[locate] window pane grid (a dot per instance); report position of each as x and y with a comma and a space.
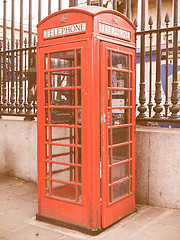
63, 79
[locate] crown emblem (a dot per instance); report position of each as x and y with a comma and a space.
63, 19
115, 20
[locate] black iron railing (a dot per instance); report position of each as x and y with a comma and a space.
159, 94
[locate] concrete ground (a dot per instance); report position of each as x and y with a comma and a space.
18, 207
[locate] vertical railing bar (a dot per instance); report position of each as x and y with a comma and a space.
166, 105
71, 3
158, 109
150, 68
75, 2
21, 61
29, 113
128, 8
4, 59
174, 97
12, 100
39, 10
142, 97
88, 2
115, 4
49, 7
8, 77
59, 5
101, 3
25, 72
17, 75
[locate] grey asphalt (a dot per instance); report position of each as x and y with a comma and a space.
18, 207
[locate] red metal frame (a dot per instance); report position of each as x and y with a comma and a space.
92, 209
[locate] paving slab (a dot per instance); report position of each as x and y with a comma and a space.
18, 207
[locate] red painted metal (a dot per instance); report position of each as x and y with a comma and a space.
77, 183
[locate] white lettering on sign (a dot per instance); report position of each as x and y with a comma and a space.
114, 31
60, 31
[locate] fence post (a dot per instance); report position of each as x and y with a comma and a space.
142, 97
158, 109
174, 97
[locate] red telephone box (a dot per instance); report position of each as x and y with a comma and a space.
86, 117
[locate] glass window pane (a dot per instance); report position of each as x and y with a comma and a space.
63, 172
47, 187
63, 116
131, 62
120, 116
62, 79
46, 80
62, 59
63, 135
46, 115
45, 61
119, 60
120, 190
109, 78
120, 135
120, 79
46, 151
79, 117
120, 171
62, 190
108, 52
120, 153
78, 77
78, 52
119, 98
79, 194
79, 97
46, 98
63, 154
62, 97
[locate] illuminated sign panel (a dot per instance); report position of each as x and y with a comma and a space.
65, 30
114, 31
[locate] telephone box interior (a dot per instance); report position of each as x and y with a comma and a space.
86, 117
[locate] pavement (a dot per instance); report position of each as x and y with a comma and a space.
18, 207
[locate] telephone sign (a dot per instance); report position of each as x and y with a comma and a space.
86, 117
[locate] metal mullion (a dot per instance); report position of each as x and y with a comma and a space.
49, 129
111, 188
119, 181
116, 88
62, 88
120, 126
76, 123
120, 70
63, 144
121, 144
62, 107
61, 69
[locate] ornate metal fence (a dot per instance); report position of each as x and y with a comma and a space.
159, 93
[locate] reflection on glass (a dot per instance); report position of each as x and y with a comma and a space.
119, 60
109, 78
46, 115
62, 190
46, 80
120, 135
120, 190
78, 77
79, 194
62, 59
120, 79
79, 117
79, 155
46, 98
62, 116
79, 97
120, 171
78, 52
47, 187
45, 61
62, 97
108, 58
119, 116
120, 153
62, 79
119, 98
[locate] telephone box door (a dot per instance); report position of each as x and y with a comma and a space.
117, 132
63, 184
